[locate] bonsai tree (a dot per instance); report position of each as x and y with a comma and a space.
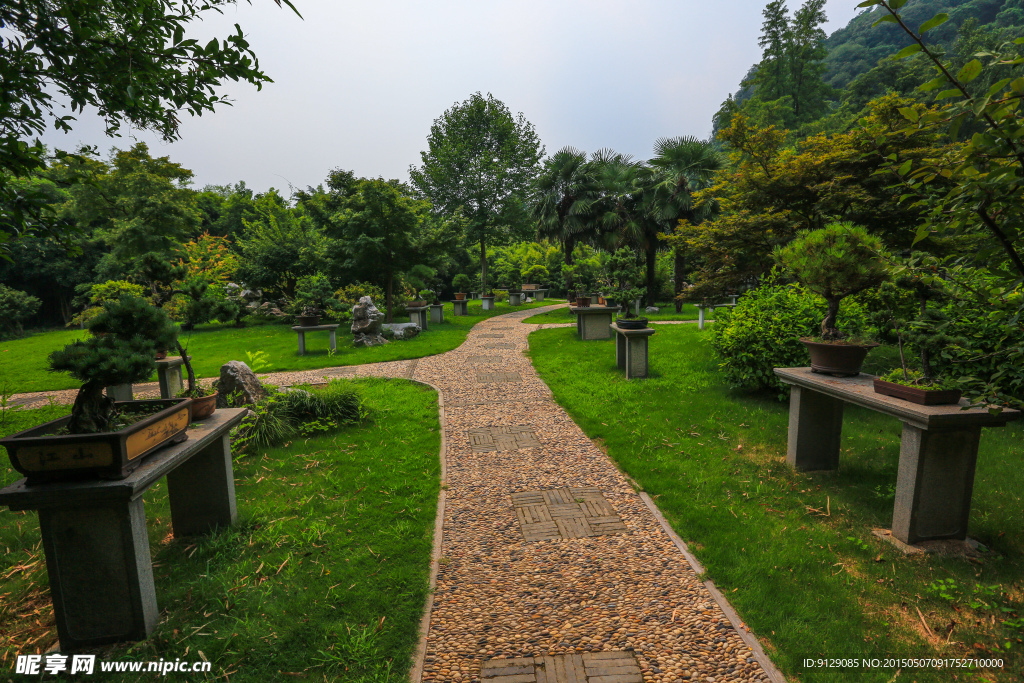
461, 283
314, 294
834, 262
514, 278
569, 279
624, 275
120, 350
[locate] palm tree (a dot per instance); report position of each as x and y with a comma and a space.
682, 166
563, 194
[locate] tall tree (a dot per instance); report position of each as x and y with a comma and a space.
772, 73
129, 60
807, 53
682, 166
480, 163
564, 193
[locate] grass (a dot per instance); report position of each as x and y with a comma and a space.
667, 312
794, 552
324, 577
23, 362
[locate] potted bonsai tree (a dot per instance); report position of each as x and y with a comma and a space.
835, 262
101, 437
313, 296
624, 275
569, 280
461, 284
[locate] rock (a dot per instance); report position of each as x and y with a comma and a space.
652, 309
529, 300
240, 383
366, 324
401, 331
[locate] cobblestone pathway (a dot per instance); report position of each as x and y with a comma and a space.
552, 568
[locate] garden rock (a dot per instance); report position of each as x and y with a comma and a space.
236, 377
402, 331
652, 309
366, 324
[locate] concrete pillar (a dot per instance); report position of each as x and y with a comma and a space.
302, 342
334, 339
620, 351
815, 430
538, 294
700, 317
437, 314
636, 356
935, 483
419, 316
101, 573
168, 373
201, 490
460, 307
120, 392
515, 298
488, 303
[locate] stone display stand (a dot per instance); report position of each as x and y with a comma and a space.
474, 295
711, 307
538, 294
332, 329
437, 313
593, 322
488, 302
95, 540
938, 449
631, 350
460, 307
168, 372
515, 298
120, 392
418, 315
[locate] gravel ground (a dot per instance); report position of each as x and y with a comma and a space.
499, 596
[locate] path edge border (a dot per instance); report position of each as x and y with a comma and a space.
744, 633
420, 653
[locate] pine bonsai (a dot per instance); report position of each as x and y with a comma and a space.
835, 262
461, 283
625, 274
120, 350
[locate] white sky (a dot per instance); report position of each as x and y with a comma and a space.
358, 84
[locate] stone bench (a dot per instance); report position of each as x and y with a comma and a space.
301, 331
593, 322
95, 539
938, 449
631, 350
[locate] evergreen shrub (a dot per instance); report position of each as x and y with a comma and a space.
16, 307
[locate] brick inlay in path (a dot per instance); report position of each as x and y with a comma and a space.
589, 667
491, 439
491, 336
484, 360
498, 377
576, 512
499, 345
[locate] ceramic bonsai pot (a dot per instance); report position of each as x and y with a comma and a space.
307, 320
460, 296
631, 323
840, 359
918, 395
583, 301
203, 407
43, 456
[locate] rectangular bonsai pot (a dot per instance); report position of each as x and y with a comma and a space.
923, 397
43, 456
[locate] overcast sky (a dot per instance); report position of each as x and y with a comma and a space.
358, 84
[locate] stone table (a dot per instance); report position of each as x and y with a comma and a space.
94, 532
938, 449
168, 372
437, 313
460, 307
418, 315
537, 294
631, 351
302, 330
593, 322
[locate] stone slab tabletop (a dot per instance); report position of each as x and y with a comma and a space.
20, 496
416, 308
642, 332
315, 328
170, 362
593, 309
860, 391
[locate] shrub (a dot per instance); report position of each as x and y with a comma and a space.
763, 332
93, 297
461, 283
299, 411
16, 307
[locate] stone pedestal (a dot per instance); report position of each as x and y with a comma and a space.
593, 322
701, 311
301, 331
538, 294
419, 315
474, 295
631, 350
460, 307
94, 533
168, 373
515, 298
120, 392
488, 302
938, 449
437, 313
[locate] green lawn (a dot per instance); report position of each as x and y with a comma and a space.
324, 577
23, 362
794, 552
667, 312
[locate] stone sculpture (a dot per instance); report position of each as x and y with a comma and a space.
366, 324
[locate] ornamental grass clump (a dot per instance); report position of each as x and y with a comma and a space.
121, 349
838, 261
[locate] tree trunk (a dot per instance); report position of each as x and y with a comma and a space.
828, 325
389, 297
652, 260
483, 266
569, 245
188, 368
92, 411
679, 266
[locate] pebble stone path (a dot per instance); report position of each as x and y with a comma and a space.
602, 596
